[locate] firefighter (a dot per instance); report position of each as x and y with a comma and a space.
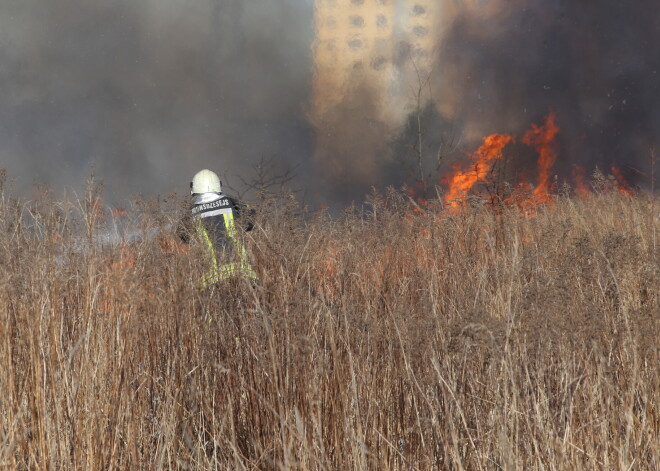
214, 218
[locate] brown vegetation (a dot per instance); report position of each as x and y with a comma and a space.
388, 339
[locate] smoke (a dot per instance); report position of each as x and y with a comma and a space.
351, 146
501, 66
145, 92
595, 64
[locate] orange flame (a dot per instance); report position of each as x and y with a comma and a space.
542, 139
620, 181
581, 189
462, 181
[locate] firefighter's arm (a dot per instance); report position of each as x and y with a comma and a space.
184, 229
250, 214
245, 214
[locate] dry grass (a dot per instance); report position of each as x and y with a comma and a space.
383, 340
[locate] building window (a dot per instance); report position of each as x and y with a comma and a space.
420, 31
355, 44
418, 10
379, 63
356, 21
381, 21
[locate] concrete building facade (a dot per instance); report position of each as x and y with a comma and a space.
385, 43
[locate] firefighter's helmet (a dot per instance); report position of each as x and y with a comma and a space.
205, 181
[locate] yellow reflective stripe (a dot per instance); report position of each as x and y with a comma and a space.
231, 232
201, 230
229, 224
227, 271
218, 273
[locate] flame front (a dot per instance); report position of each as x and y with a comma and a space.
462, 181
620, 181
542, 138
581, 188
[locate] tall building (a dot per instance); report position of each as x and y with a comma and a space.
387, 44
420, 23
354, 43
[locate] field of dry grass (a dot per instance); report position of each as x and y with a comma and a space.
383, 339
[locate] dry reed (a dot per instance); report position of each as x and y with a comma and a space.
384, 339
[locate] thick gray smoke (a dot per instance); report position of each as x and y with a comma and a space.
145, 92
596, 64
503, 65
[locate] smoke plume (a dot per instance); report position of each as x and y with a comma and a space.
595, 64
146, 92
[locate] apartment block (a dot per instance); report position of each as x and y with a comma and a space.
385, 43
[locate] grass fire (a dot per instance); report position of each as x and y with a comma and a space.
431, 242
456, 337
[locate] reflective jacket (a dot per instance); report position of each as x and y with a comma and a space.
214, 219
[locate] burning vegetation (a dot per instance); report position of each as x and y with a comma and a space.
508, 321
390, 338
483, 67
324, 86
480, 176
461, 182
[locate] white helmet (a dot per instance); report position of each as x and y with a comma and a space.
205, 181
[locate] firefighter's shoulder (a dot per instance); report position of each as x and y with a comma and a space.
223, 202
